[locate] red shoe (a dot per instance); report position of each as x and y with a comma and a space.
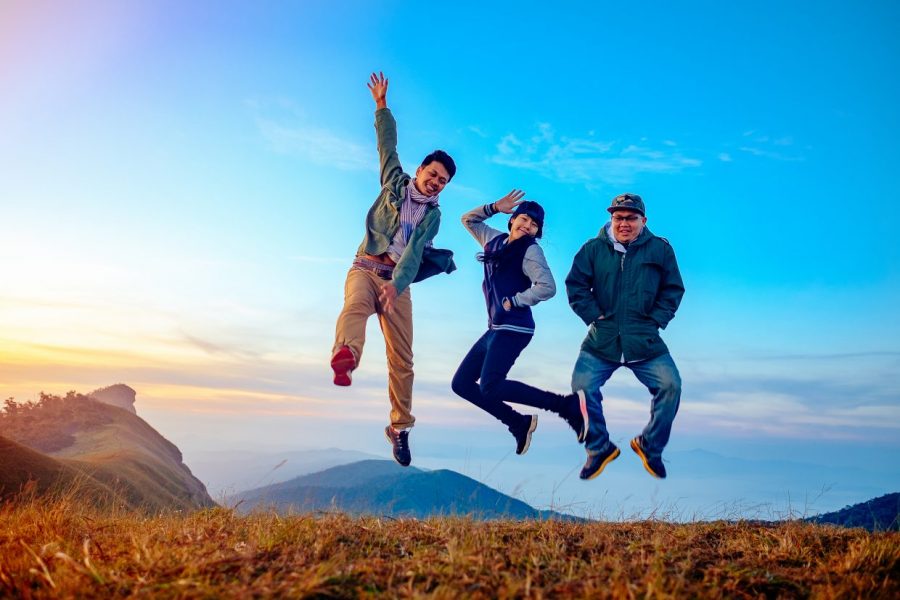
343, 362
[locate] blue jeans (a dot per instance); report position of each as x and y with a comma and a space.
481, 378
661, 377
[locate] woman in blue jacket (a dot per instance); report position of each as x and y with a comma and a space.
516, 277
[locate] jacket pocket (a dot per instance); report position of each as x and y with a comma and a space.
646, 343
602, 333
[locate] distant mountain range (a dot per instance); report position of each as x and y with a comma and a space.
96, 444
77, 442
227, 472
380, 487
877, 514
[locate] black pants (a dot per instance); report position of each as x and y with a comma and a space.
481, 378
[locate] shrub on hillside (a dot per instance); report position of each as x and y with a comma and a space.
50, 423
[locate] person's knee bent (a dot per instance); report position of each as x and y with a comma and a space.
670, 384
460, 384
490, 390
400, 364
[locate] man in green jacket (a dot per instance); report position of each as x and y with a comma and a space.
625, 285
395, 252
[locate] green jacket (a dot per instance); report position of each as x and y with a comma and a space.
625, 298
419, 260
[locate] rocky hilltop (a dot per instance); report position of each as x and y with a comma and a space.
116, 395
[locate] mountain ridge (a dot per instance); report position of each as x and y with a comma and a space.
382, 487
877, 514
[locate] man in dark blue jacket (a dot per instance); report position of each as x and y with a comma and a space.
625, 285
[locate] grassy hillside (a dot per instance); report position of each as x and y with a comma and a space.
877, 514
111, 447
24, 469
67, 549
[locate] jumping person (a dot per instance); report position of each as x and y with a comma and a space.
395, 252
626, 286
516, 277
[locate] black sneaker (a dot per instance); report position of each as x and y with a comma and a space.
574, 412
523, 433
654, 466
595, 464
400, 441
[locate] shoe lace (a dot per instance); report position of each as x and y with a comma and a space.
403, 440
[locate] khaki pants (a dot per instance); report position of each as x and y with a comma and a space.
361, 302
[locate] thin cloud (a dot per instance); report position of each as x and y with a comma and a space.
763, 153
319, 260
220, 349
812, 407
828, 355
773, 148
317, 145
586, 160
471, 194
287, 131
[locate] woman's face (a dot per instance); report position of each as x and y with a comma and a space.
522, 225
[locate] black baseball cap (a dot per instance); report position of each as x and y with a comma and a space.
627, 202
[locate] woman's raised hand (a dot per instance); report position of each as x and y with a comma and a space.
508, 203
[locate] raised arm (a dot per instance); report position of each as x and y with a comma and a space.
378, 85
473, 220
385, 129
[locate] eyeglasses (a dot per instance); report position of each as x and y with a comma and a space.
628, 219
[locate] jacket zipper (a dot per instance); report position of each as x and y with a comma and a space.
619, 302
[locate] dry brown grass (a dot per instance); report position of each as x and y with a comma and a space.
66, 549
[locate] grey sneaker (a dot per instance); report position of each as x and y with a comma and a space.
400, 441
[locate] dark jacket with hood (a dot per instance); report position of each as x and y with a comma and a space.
625, 298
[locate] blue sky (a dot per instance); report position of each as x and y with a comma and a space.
183, 187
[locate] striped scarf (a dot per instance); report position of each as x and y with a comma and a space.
411, 212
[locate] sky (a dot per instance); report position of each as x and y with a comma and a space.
184, 185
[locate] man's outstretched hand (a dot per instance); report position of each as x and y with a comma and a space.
378, 85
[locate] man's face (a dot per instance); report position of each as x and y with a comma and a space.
627, 225
521, 226
431, 178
